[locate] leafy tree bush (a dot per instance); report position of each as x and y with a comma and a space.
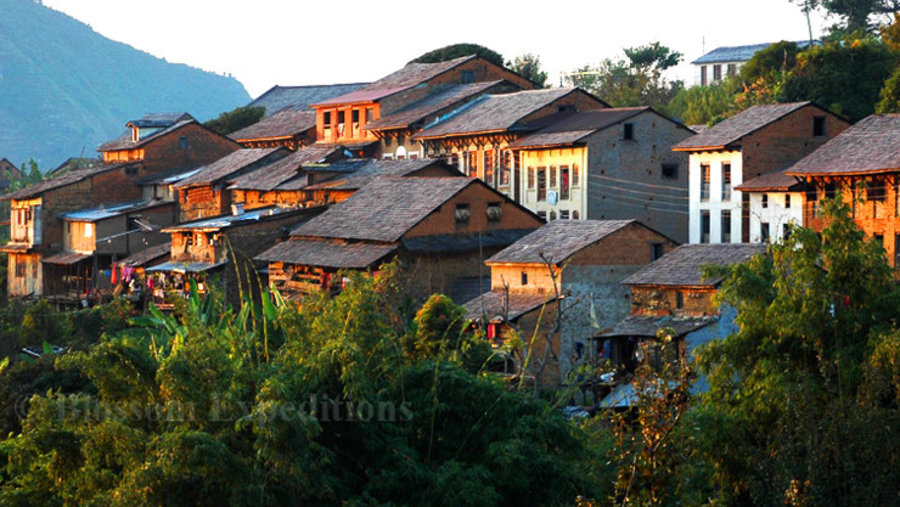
236, 119
457, 50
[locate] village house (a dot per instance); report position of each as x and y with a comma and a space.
776, 202
670, 293
9, 173
289, 129
396, 129
564, 270
166, 141
862, 167
343, 119
612, 163
94, 239
153, 145
476, 138
441, 228
759, 140
716, 65
205, 193
223, 248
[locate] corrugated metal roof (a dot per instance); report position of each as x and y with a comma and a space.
739, 53
103, 212
225, 221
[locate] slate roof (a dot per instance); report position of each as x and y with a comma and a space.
492, 304
772, 182
871, 146
270, 176
738, 53
364, 171
731, 130
432, 104
287, 123
68, 178
683, 266
575, 127
385, 209
411, 75
148, 255
300, 97
640, 325
495, 113
558, 240
328, 253
227, 166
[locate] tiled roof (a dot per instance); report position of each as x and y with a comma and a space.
385, 209
495, 113
227, 166
287, 123
493, 304
125, 142
411, 75
148, 255
683, 266
557, 241
740, 53
731, 130
283, 170
869, 147
432, 104
68, 178
640, 325
772, 182
328, 253
364, 171
300, 97
573, 128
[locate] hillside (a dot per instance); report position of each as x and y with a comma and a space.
64, 88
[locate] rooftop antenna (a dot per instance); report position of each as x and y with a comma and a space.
704, 45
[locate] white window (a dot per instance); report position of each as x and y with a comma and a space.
88, 230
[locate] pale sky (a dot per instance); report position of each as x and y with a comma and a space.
267, 42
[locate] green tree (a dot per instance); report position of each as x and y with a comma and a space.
634, 81
704, 105
236, 119
845, 78
529, 66
787, 418
457, 50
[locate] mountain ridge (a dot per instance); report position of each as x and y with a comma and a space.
65, 88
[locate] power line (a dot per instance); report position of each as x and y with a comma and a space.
667, 187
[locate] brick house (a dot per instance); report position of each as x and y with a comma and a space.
759, 140
442, 229
205, 249
343, 119
9, 173
861, 165
670, 292
167, 141
776, 201
476, 138
612, 163
205, 193
584, 263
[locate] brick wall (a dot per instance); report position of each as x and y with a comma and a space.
663, 301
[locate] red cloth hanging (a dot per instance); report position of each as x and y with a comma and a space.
113, 273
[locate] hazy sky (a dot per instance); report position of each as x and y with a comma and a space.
267, 42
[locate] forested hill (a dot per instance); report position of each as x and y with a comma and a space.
65, 88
